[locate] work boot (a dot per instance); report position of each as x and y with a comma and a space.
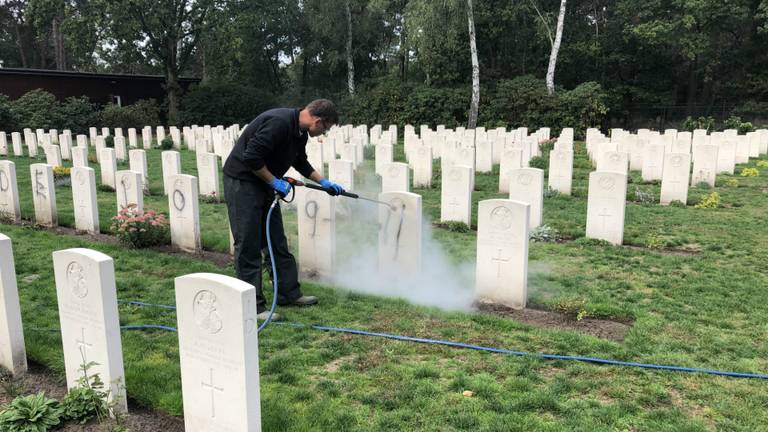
302, 301
262, 316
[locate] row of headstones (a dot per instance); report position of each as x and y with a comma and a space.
502, 241
183, 199
218, 342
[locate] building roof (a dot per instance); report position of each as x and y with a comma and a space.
93, 75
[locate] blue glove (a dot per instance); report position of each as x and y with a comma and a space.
332, 188
281, 186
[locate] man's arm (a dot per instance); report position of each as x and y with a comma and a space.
264, 174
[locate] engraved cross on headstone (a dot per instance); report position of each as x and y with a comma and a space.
604, 215
212, 387
82, 345
499, 260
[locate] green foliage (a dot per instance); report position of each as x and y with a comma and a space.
87, 401
644, 196
690, 124
539, 162
37, 109
223, 103
109, 141
8, 120
735, 122
166, 143
455, 226
545, 234
144, 112
750, 172
77, 115
708, 201
573, 307
762, 164
33, 413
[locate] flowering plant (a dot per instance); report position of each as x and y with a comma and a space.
139, 229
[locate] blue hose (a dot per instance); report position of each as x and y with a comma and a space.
274, 270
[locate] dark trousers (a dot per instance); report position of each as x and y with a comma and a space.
248, 205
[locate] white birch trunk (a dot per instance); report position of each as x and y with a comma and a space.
475, 105
350, 63
555, 49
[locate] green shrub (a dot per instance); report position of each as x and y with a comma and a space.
144, 112
734, 122
520, 101
224, 104
37, 109
383, 102
581, 108
455, 226
166, 143
539, 162
8, 119
109, 141
690, 124
750, 172
77, 115
33, 413
707, 201
645, 197
545, 234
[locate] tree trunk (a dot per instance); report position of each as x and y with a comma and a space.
172, 81
403, 50
58, 43
20, 44
350, 63
474, 107
555, 49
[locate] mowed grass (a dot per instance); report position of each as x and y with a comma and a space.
701, 309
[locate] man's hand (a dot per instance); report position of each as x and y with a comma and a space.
332, 188
281, 186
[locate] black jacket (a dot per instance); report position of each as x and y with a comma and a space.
272, 139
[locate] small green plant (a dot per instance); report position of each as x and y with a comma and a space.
762, 164
549, 192
88, 400
166, 143
33, 413
213, 198
140, 229
645, 197
539, 162
706, 201
734, 122
7, 218
750, 172
105, 188
690, 124
677, 203
9, 386
545, 234
731, 182
576, 308
654, 241
702, 185
455, 226
61, 176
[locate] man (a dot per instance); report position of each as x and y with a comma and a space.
273, 142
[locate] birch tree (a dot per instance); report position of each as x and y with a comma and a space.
555, 49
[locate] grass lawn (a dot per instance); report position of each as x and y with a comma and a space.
693, 282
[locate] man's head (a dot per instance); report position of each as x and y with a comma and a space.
317, 117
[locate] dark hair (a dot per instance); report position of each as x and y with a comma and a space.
324, 109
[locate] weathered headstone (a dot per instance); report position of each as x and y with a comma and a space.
108, 167
9, 192
606, 205
80, 156
342, 172
511, 159
13, 355
456, 194
484, 156
394, 177
422, 167
146, 137
316, 212
527, 185
31, 141
65, 144
184, 214
3, 144
17, 145
383, 156
502, 252
674, 184
400, 233
219, 353
84, 198
44, 195
121, 151
129, 190
171, 165
314, 156
208, 174
561, 171
726, 156
614, 161
132, 141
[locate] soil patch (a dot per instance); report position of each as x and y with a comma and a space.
537, 316
38, 379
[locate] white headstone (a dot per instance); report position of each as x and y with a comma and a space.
108, 167
17, 146
80, 156
653, 162
705, 165
726, 156
171, 165
184, 214
52, 155
400, 233
44, 195
484, 156
129, 190
219, 353
383, 157
137, 161
208, 174
561, 171
90, 324
422, 167
456, 194
527, 185
132, 141
9, 191
315, 156
511, 159
3, 144
146, 137
606, 205
674, 184
31, 141
121, 151
84, 198
394, 177
13, 354
613, 161
502, 252
65, 144
316, 213
342, 172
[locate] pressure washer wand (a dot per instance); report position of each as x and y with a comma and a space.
295, 183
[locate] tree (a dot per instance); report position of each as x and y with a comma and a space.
555, 49
474, 106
